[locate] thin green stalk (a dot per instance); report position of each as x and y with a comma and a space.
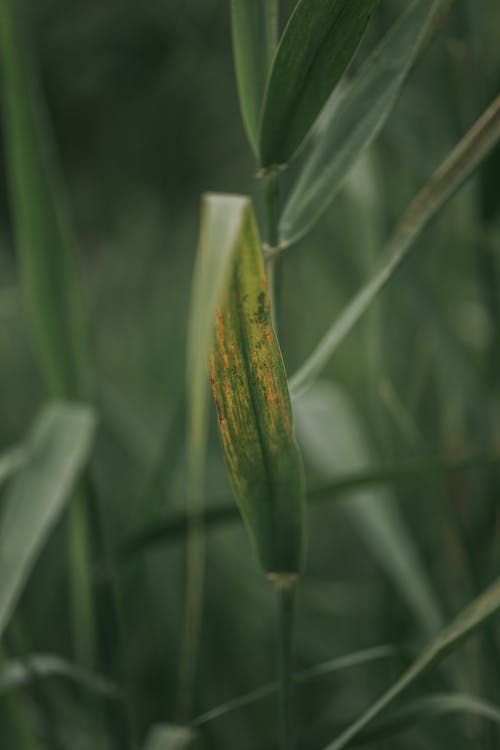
81, 590
13, 722
272, 212
286, 626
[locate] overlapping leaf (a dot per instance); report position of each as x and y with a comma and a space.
317, 46
250, 389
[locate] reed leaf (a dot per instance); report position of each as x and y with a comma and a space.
255, 416
317, 46
56, 452
171, 738
467, 621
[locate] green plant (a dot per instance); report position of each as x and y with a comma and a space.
309, 123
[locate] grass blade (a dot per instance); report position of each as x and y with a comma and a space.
304, 677
43, 233
356, 122
10, 461
56, 451
221, 222
254, 25
472, 617
317, 46
18, 673
459, 165
255, 416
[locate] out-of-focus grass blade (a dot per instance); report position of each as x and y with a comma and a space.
10, 461
317, 46
17, 673
301, 678
254, 25
223, 512
221, 223
171, 738
459, 165
332, 440
255, 416
469, 619
56, 451
426, 709
356, 122
43, 234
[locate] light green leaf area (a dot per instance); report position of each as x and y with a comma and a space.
333, 443
255, 417
41, 218
18, 673
351, 126
317, 46
468, 620
10, 461
254, 25
464, 159
55, 453
171, 738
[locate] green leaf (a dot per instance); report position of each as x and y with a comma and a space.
41, 219
17, 673
468, 620
317, 46
254, 25
10, 461
170, 738
221, 222
428, 708
351, 126
453, 172
333, 442
56, 451
305, 677
255, 417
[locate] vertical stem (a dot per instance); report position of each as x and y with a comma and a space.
286, 628
271, 198
81, 585
13, 721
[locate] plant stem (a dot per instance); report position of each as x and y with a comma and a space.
81, 591
271, 199
286, 626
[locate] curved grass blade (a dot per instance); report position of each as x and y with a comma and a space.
56, 451
429, 708
171, 738
42, 228
332, 439
221, 223
254, 25
472, 617
356, 122
222, 513
19, 673
453, 172
10, 461
255, 416
317, 46
305, 677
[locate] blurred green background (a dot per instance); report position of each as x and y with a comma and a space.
143, 103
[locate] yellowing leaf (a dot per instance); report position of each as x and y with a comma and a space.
255, 417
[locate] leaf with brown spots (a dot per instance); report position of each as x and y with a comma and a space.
255, 416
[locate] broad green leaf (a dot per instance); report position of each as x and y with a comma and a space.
254, 25
163, 737
221, 222
41, 219
10, 462
305, 677
222, 512
317, 46
17, 673
255, 417
333, 442
468, 620
351, 126
55, 453
452, 173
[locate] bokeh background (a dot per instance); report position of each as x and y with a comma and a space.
143, 104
